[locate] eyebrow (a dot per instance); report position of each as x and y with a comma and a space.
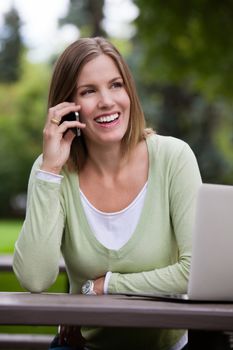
91, 85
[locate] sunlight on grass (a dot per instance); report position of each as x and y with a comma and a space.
9, 231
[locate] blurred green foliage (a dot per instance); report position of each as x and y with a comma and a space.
22, 116
87, 15
182, 61
189, 42
185, 59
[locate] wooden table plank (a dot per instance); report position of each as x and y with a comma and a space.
112, 310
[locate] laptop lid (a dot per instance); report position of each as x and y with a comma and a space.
211, 274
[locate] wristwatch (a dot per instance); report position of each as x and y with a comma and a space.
88, 288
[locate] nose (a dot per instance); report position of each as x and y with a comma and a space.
105, 100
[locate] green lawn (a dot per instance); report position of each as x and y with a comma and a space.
9, 231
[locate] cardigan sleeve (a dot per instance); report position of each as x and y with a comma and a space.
37, 250
184, 182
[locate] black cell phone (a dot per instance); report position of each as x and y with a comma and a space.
71, 117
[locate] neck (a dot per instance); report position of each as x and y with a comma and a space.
107, 160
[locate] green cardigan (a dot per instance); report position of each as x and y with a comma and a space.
155, 259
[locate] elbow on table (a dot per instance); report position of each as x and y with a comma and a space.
34, 281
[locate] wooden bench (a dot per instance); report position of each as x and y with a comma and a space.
23, 341
6, 262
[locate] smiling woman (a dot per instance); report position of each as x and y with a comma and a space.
117, 201
107, 73
105, 104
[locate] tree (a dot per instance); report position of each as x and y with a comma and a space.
10, 47
22, 116
189, 42
186, 77
86, 15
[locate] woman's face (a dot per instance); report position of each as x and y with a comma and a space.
105, 104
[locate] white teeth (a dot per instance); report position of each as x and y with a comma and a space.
107, 119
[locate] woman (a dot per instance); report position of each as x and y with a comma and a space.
117, 201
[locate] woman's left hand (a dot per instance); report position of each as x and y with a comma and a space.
99, 285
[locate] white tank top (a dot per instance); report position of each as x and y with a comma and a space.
113, 230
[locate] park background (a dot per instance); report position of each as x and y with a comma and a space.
181, 57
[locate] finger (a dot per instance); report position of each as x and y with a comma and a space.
58, 113
68, 137
61, 105
64, 104
70, 124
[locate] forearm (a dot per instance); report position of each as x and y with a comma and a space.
173, 278
37, 251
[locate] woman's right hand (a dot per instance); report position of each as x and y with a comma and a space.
57, 138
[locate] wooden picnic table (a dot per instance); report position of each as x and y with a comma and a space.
112, 310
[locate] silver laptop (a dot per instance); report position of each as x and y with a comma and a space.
211, 274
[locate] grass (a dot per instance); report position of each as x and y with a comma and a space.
9, 231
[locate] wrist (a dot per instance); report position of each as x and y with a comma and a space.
49, 177
51, 170
106, 282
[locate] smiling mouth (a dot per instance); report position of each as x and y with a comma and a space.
107, 119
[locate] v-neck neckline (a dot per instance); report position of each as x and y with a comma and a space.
141, 222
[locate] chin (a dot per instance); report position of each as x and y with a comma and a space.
113, 138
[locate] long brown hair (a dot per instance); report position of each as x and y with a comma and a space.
64, 82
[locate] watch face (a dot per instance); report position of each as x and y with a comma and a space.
87, 288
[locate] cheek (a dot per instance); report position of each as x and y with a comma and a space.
125, 98
86, 110
126, 102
